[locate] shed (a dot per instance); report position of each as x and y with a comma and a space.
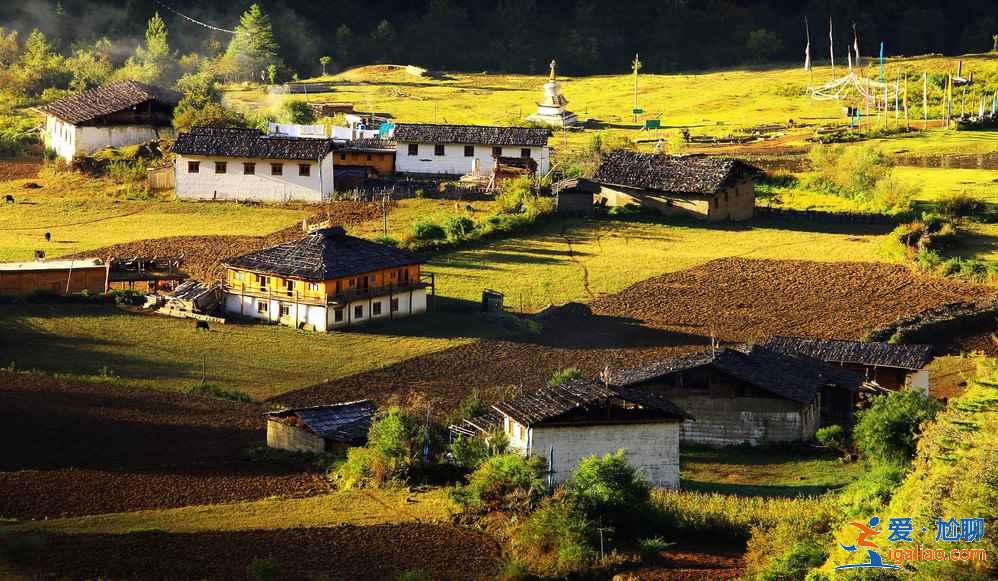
55, 276
320, 428
575, 196
568, 422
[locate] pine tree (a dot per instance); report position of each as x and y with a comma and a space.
40, 67
253, 47
152, 63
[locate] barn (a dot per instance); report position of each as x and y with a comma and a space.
575, 196
320, 428
709, 188
113, 115
55, 276
748, 395
893, 366
216, 163
568, 422
424, 148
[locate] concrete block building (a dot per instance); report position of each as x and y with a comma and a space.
324, 281
709, 188
113, 115
244, 164
457, 150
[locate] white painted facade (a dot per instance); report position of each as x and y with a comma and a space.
455, 160
69, 140
327, 317
651, 447
198, 178
918, 381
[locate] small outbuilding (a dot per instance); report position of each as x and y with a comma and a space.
55, 276
320, 428
575, 196
748, 395
579, 418
893, 366
710, 188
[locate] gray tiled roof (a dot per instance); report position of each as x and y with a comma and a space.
322, 255
107, 99
342, 422
250, 143
694, 174
470, 134
856, 352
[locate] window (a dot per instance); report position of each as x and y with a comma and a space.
338, 291
438, 150
289, 287
369, 158
262, 308
525, 152
343, 156
220, 167
249, 168
469, 151
277, 169
285, 310
313, 287
496, 151
375, 309
304, 169
193, 166
358, 312
395, 305
338, 315
261, 281
413, 149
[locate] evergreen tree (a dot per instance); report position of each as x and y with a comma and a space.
8, 47
253, 47
345, 44
90, 66
383, 42
40, 67
152, 63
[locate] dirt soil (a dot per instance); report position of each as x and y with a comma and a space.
345, 552
735, 300
203, 255
94, 447
687, 561
17, 170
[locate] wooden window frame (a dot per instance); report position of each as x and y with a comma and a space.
277, 169
394, 307
249, 168
285, 309
497, 151
469, 151
305, 170
376, 308
193, 167
358, 311
262, 307
525, 152
338, 315
439, 150
413, 149
221, 167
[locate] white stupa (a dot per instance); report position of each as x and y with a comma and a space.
551, 110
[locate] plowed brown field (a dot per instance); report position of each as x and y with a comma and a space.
18, 170
76, 447
733, 299
346, 552
203, 255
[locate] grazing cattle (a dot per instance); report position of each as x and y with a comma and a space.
48, 236
202, 326
8, 199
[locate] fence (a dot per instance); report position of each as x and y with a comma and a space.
160, 178
827, 217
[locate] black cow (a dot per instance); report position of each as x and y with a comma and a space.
8, 199
201, 326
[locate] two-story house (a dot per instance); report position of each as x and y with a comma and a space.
324, 281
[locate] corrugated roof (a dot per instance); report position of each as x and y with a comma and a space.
107, 99
856, 352
694, 174
40, 265
788, 375
470, 134
250, 143
324, 254
342, 422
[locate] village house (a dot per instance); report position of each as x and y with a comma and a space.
579, 418
466, 149
322, 428
244, 164
709, 188
113, 115
55, 276
325, 281
360, 159
575, 196
886, 364
748, 395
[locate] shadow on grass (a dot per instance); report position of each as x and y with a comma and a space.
818, 226
765, 491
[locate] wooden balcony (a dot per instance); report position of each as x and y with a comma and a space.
427, 280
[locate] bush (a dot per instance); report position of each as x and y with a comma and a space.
458, 227
872, 490
508, 482
126, 171
832, 437
128, 297
394, 446
428, 230
297, 111
553, 541
387, 241
609, 491
470, 453
217, 392
886, 431
650, 547
961, 205
263, 570
562, 375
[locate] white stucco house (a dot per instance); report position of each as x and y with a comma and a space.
465, 149
214, 163
113, 115
324, 281
579, 418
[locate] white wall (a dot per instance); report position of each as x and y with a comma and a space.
69, 140
367, 309
454, 162
651, 447
261, 186
919, 381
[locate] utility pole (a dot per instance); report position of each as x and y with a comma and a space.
636, 66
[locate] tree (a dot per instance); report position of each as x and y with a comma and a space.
8, 47
152, 63
297, 111
383, 42
272, 74
41, 67
763, 45
201, 105
253, 48
887, 431
324, 61
90, 66
609, 491
345, 44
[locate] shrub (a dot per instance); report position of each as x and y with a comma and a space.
387, 241
126, 171
961, 205
217, 392
297, 111
263, 570
609, 491
458, 227
470, 452
562, 375
887, 430
651, 546
553, 541
872, 490
508, 482
428, 230
128, 297
394, 445
832, 436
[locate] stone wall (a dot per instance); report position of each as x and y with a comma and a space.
751, 420
285, 437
